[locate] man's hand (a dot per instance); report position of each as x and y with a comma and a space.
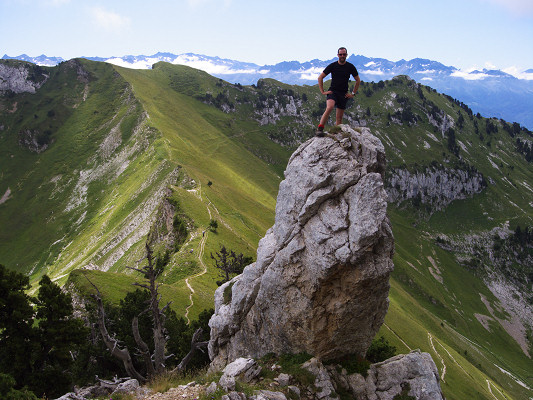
349, 95
326, 93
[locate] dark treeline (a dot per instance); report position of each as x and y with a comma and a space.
45, 350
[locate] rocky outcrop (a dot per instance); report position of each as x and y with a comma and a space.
321, 280
124, 386
33, 140
270, 111
436, 186
414, 374
21, 77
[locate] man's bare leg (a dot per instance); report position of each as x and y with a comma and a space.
330, 105
338, 116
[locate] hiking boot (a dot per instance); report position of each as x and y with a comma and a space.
319, 131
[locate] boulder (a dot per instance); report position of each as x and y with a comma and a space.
268, 395
129, 386
212, 388
321, 280
71, 396
283, 380
245, 368
414, 374
234, 396
323, 383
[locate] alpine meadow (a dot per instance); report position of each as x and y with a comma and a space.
97, 160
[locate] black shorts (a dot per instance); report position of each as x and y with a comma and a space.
340, 99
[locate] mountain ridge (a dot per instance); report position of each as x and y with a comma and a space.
493, 93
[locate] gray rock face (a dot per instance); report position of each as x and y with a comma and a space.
436, 186
127, 387
414, 374
17, 78
321, 280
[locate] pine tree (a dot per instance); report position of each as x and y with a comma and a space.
59, 336
17, 336
229, 263
37, 345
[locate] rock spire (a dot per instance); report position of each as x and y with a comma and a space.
321, 280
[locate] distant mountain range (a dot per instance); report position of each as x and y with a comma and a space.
492, 93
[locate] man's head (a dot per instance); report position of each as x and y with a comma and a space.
342, 53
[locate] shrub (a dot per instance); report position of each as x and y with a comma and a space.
8, 393
354, 364
292, 364
404, 394
380, 350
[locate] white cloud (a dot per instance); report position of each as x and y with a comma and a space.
377, 72
490, 66
211, 68
310, 74
469, 75
109, 20
135, 65
518, 73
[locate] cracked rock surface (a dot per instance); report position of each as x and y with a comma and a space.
321, 280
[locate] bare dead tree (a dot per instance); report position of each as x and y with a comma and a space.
155, 363
122, 353
150, 273
195, 345
143, 347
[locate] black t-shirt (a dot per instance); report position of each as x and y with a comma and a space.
340, 75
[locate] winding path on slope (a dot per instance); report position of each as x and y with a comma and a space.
198, 193
204, 270
430, 338
489, 384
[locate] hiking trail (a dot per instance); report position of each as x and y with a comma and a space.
200, 255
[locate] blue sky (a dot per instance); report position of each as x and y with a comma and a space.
460, 33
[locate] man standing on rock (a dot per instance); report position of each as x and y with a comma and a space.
338, 93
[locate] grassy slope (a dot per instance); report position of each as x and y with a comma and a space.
420, 303
242, 195
42, 184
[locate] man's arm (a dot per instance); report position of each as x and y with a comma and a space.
356, 87
357, 83
321, 83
